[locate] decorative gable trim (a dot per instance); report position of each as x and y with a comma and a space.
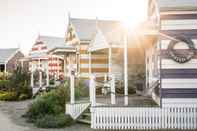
71, 36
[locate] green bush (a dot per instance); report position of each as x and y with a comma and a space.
4, 76
4, 85
52, 82
51, 121
23, 97
81, 90
49, 103
16, 85
20, 82
8, 96
47, 110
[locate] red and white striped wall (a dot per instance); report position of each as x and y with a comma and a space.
54, 63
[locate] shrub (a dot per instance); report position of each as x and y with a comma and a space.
23, 97
52, 82
81, 90
16, 86
20, 82
49, 103
4, 85
8, 96
51, 121
4, 76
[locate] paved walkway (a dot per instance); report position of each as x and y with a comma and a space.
8, 125
11, 120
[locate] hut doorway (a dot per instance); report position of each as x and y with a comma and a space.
2, 67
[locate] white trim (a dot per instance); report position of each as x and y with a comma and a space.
94, 56
110, 60
179, 101
39, 51
99, 42
96, 74
5, 67
177, 12
178, 24
179, 83
125, 69
75, 110
90, 63
171, 64
94, 65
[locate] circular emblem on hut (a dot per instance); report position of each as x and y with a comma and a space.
181, 55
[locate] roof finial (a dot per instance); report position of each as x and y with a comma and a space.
96, 22
19, 46
38, 37
69, 16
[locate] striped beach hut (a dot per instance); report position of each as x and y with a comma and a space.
82, 32
109, 43
48, 66
176, 67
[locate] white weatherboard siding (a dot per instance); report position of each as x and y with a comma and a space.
176, 12
179, 83
94, 56
96, 74
94, 65
182, 102
171, 64
165, 44
178, 24
174, 4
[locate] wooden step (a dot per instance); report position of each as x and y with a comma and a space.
84, 121
86, 114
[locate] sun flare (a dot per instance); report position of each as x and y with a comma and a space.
134, 13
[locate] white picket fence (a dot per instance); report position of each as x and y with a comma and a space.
75, 110
144, 118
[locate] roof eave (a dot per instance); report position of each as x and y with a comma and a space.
62, 50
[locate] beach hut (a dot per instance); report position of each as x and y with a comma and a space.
169, 39
46, 67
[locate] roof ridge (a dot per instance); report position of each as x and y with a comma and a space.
51, 36
8, 48
91, 19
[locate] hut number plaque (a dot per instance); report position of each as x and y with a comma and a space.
181, 56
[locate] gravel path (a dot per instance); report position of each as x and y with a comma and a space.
11, 120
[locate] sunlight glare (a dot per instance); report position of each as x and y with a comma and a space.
134, 14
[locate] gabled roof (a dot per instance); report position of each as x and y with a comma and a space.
5, 54
50, 42
86, 28
113, 36
109, 33
113, 31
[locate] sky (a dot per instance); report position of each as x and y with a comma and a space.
21, 21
